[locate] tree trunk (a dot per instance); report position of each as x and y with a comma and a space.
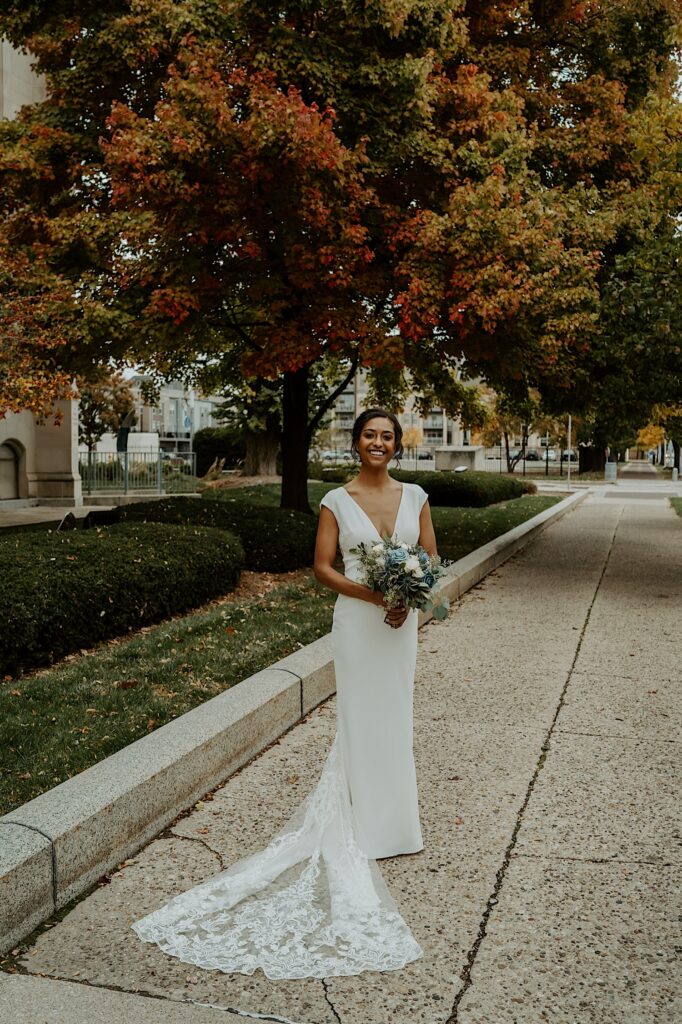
676, 455
510, 468
262, 448
295, 441
591, 460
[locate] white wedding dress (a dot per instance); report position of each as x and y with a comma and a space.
313, 904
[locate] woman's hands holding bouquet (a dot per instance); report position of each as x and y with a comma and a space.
395, 616
401, 576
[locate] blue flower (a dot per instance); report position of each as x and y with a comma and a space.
397, 556
429, 579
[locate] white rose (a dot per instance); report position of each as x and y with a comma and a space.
378, 548
412, 564
403, 545
417, 573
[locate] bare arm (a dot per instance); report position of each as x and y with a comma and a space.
325, 556
427, 536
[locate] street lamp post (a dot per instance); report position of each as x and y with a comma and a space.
570, 424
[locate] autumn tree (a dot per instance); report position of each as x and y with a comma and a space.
400, 186
104, 404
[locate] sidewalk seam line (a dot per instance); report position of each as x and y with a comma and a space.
466, 972
599, 860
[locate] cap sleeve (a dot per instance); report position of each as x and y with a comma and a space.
329, 500
422, 496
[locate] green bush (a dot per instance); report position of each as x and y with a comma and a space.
274, 540
213, 443
65, 591
469, 490
331, 474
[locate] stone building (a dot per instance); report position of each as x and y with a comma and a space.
38, 462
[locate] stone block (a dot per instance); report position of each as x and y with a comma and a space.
314, 666
104, 814
26, 896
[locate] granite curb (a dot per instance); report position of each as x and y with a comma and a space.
58, 845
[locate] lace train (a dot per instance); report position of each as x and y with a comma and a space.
310, 905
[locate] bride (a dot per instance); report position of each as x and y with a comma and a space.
314, 903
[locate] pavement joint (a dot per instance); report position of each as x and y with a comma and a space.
240, 1013
84, 983
617, 736
466, 974
596, 860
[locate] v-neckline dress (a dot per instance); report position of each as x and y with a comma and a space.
374, 666
313, 903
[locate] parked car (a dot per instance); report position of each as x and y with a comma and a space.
335, 456
568, 455
532, 456
549, 455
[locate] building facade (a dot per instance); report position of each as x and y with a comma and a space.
437, 428
170, 423
38, 461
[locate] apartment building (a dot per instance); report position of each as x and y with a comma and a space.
437, 428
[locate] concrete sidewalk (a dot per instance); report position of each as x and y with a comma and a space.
547, 733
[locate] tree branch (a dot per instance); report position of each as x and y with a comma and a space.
331, 398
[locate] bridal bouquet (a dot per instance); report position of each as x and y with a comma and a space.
404, 573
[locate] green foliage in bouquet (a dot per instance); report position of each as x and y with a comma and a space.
404, 573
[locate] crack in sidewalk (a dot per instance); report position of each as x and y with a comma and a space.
329, 1002
197, 839
502, 870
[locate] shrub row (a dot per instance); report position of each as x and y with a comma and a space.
274, 540
470, 489
65, 591
213, 443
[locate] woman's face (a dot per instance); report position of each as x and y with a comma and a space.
377, 442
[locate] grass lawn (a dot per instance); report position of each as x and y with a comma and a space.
56, 722
677, 505
59, 721
461, 530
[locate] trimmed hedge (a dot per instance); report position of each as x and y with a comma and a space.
213, 443
466, 490
65, 591
274, 540
331, 474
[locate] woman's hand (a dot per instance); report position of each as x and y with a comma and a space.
395, 617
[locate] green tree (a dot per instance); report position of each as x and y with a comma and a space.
103, 405
396, 185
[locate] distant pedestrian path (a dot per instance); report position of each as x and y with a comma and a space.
547, 724
639, 471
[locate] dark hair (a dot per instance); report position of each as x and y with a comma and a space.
375, 414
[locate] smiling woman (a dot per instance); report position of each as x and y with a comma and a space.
314, 903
